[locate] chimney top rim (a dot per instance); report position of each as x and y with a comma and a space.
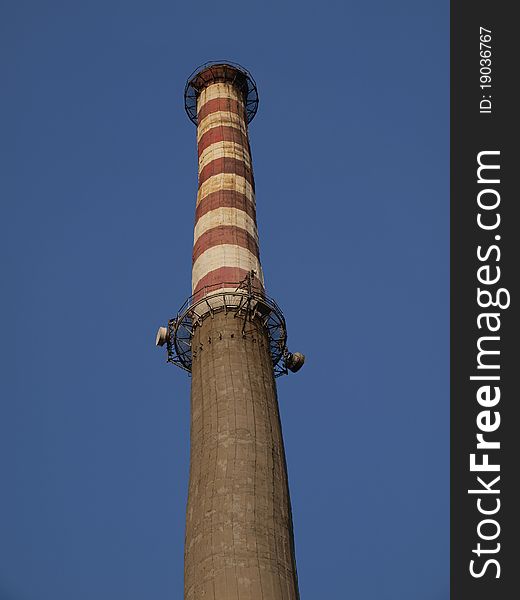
208, 72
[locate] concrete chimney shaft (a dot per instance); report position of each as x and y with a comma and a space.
239, 536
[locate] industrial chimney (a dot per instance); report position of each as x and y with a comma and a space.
232, 338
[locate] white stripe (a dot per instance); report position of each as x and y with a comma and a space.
218, 90
224, 255
226, 181
231, 298
225, 215
222, 118
224, 150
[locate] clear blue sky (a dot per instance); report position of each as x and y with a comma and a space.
98, 183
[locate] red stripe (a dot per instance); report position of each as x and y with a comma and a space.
230, 275
225, 199
220, 104
223, 133
225, 234
226, 165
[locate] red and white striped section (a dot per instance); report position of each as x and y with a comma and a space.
225, 246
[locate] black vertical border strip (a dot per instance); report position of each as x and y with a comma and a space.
471, 133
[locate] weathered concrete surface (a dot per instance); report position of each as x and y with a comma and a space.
239, 540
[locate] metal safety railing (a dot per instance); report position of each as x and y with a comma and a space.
247, 300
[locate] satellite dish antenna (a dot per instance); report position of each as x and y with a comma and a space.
161, 337
294, 361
